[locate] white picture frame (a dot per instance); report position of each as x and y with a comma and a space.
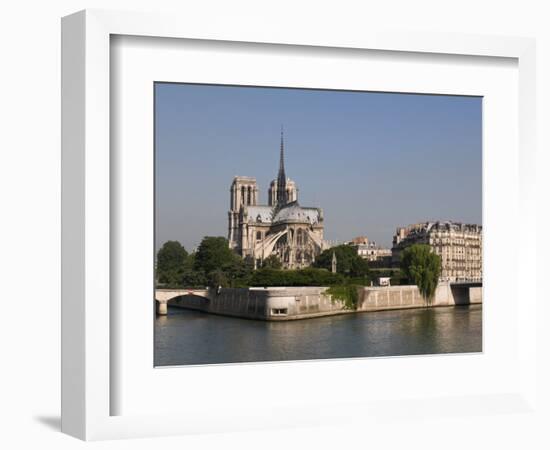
88, 386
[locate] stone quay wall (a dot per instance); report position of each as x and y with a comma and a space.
401, 297
290, 303
275, 303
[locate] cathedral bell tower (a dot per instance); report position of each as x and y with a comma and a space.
243, 192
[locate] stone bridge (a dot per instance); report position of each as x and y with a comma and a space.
163, 296
465, 292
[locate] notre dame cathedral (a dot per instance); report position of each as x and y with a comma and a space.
282, 227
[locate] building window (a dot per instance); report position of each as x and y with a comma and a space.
279, 311
258, 235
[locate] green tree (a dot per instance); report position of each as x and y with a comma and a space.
193, 279
422, 267
171, 259
248, 263
239, 270
218, 278
272, 262
189, 262
348, 262
214, 254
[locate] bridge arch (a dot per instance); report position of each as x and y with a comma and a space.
163, 296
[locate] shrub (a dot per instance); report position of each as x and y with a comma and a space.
348, 293
302, 277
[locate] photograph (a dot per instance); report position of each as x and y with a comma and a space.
257, 225
297, 224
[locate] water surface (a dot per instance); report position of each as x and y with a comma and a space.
191, 337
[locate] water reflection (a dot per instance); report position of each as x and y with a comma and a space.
190, 337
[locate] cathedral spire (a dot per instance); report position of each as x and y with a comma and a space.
282, 195
282, 156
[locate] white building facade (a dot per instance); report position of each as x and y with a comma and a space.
372, 252
459, 246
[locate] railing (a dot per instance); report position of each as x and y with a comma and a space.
461, 279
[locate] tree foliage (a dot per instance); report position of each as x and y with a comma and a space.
218, 278
171, 259
193, 278
272, 262
221, 266
214, 254
348, 262
303, 277
422, 267
171, 256
215, 264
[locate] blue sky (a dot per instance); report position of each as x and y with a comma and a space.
372, 161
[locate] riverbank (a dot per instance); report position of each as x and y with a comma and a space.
294, 303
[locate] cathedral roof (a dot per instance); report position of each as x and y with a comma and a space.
290, 213
294, 213
259, 213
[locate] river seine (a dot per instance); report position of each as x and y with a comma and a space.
189, 337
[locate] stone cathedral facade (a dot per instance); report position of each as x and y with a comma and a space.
282, 227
